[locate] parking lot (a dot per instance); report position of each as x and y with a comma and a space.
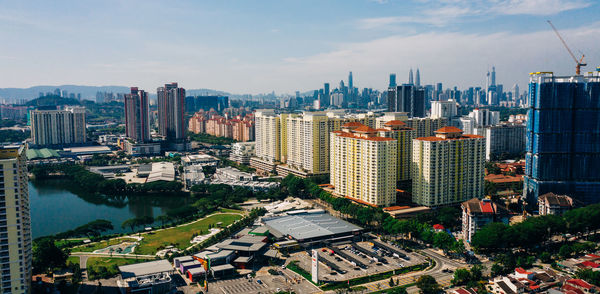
356, 260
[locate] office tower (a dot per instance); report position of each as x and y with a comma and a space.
363, 165
410, 77
57, 92
516, 92
418, 78
484, 117
493, 76
563, 137
350, 82
171, 107
445, 109
508, 138
392, 80
58, 127
403, 135
15, 231
137, 115
407, 98
447, 168
326, 93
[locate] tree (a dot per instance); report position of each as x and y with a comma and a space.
565, 251
461, 277
132, 223
496, 270
428, 285
399, 290
391, 282
46, 256
477, 273
546, 257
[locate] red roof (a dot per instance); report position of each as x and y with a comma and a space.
357, 136
593, 256
449, 130
591, 264
486, 207
521, 270
581, 283
352, 124
364, 129
438, 227
395, 123
570, 289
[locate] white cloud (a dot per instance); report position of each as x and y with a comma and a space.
538, 7
440, 13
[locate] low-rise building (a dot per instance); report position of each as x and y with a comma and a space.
230, 173
193, 175
161, 171
478, 213
147, 277
141, 149
551, 203
242, 152
199, 159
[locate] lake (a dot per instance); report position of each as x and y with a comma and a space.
56, 206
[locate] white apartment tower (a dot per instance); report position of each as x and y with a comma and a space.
58, 127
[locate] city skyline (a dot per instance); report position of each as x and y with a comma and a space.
285, 52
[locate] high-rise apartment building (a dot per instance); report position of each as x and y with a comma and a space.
403, 135
445, 109
171, 109
563, 137
363, 165
407, 98
15, 222
447, 168
58, 127
137, 115
507, 138
484, 117
299, 143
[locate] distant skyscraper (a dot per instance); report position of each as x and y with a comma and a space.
418, 78
171, 106
326, 93
58, 127
15, 230
410, 77
563, 138
493, 75
137, 115
516, 92
350, 82
392, 80
407, 98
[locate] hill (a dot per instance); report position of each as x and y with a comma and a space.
52, 100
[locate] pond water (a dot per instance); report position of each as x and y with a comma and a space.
56, 206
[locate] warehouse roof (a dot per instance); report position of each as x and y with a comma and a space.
310, 224
145, 268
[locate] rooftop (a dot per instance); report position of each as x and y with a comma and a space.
486, 206
307, 225
145, 268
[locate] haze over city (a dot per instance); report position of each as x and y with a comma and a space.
259, 47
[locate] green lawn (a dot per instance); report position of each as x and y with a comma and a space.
180, 236
73, 259
106, 267
229, 210
108, 262
101, 244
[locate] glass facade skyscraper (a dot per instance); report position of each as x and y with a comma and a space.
563, 137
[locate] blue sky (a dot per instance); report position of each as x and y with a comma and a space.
261, 46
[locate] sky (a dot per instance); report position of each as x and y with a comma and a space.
285, 45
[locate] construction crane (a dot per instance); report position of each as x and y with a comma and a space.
579, 62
